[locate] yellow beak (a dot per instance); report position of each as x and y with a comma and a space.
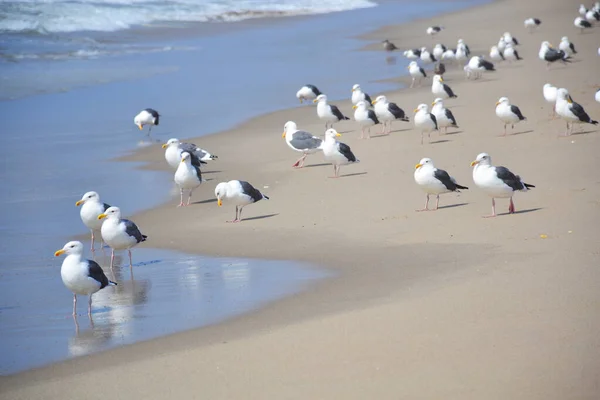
433, 104
353, 90
101, 216
441, 79
418, 166
283, 135
140, 126
80, 202
569, 99
338, 135
315, 100
182, 160
373, 102
300, 101
354, 107
220, 202
474, 163
164, 146
497, 103
59, 252
416, 110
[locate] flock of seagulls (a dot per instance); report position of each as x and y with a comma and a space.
86, 277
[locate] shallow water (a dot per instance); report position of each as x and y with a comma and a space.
169, 292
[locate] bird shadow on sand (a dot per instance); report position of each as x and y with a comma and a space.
205, 201
211, 172
452, 205
260, 217
439, 141
520, 133
528, 210
579, 133
452, 133
314, 165
354, 174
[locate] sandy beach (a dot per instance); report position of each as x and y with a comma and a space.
431, 305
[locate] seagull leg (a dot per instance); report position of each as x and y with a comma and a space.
337, 171
437, 202
300, 162
412, 84
511, 207
74, 304
189, 197
422, 134
112, 258
239, 218
181, 198
236, 215
130, 262
369, 133
504, 130
90, 306
426, 204
493, 210
92, 245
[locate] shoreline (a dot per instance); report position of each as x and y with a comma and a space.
369, 278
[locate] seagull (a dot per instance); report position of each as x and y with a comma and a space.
328, 113
508, 38
359, 95
438, 51
592, 16
434, 30
582, 10
461, 53
508, 113
307, 92
388, 46
440, 89
550, 55
439, 69
187, 177
148, 117
566, 46
495, 54
81, 276
301, 141
532, 24
449, 55
91, 208
174, 148
550, 93
443, 116
365, 117
570, 111
425, 121
461, 43
119, 234
426, 56
412, 54
416, 72
497, 182
582, 24
478, 65
240, 193
510, 53
434, 181
501, 44
338, 153
388, 112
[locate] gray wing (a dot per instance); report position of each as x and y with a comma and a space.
302, 140
443, 177
509, 179
189, 147
132, 230
95, 272
251, 191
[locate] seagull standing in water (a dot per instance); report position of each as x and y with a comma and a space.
307, 92
91, 207
119, 234
148, 117
81, 276
497, 182
187, 177
416, 72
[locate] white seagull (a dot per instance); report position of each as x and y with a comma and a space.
434, 181
495, 54
478, 64
510, 53
582, 10
365, 117
566, 46
119, 234
508, 38
336, 152
388, 112
187, 177
240, 193
440, 89
81, 276
148, 117
174, 148
412, 54
550, 93
426, 56
509, 114
550, 55
501, 44
91, 208
434, 30
443, 116
328, 113
449, 55
582, 24
425, 121
359, 95
307, 92
570, 111
416, 72
301, 141
592, 16
438, 51
532, 23
497, 182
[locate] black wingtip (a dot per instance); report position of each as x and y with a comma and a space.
265, 197
461, 187
405, 119
528, 186
453, 96
144, 237
346, 118
112, 283
593, 122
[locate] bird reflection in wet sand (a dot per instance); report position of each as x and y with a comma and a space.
89, 340
390, 60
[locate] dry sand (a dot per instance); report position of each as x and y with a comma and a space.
424, 305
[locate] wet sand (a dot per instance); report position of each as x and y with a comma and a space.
426, 305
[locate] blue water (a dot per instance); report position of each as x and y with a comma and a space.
71, 116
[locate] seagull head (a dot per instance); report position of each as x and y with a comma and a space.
111, 212
482, 159
73, 247
186, 158
361, 104
564, 39
502, 100
290, 127
138, 121
424, 162
332, 133
563, 94
438, 78
221, 192
89, 196
438, 101
423, 49
421, 107
546, 45
355, 87
320, 98
171, 142
380, 99
412, 64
